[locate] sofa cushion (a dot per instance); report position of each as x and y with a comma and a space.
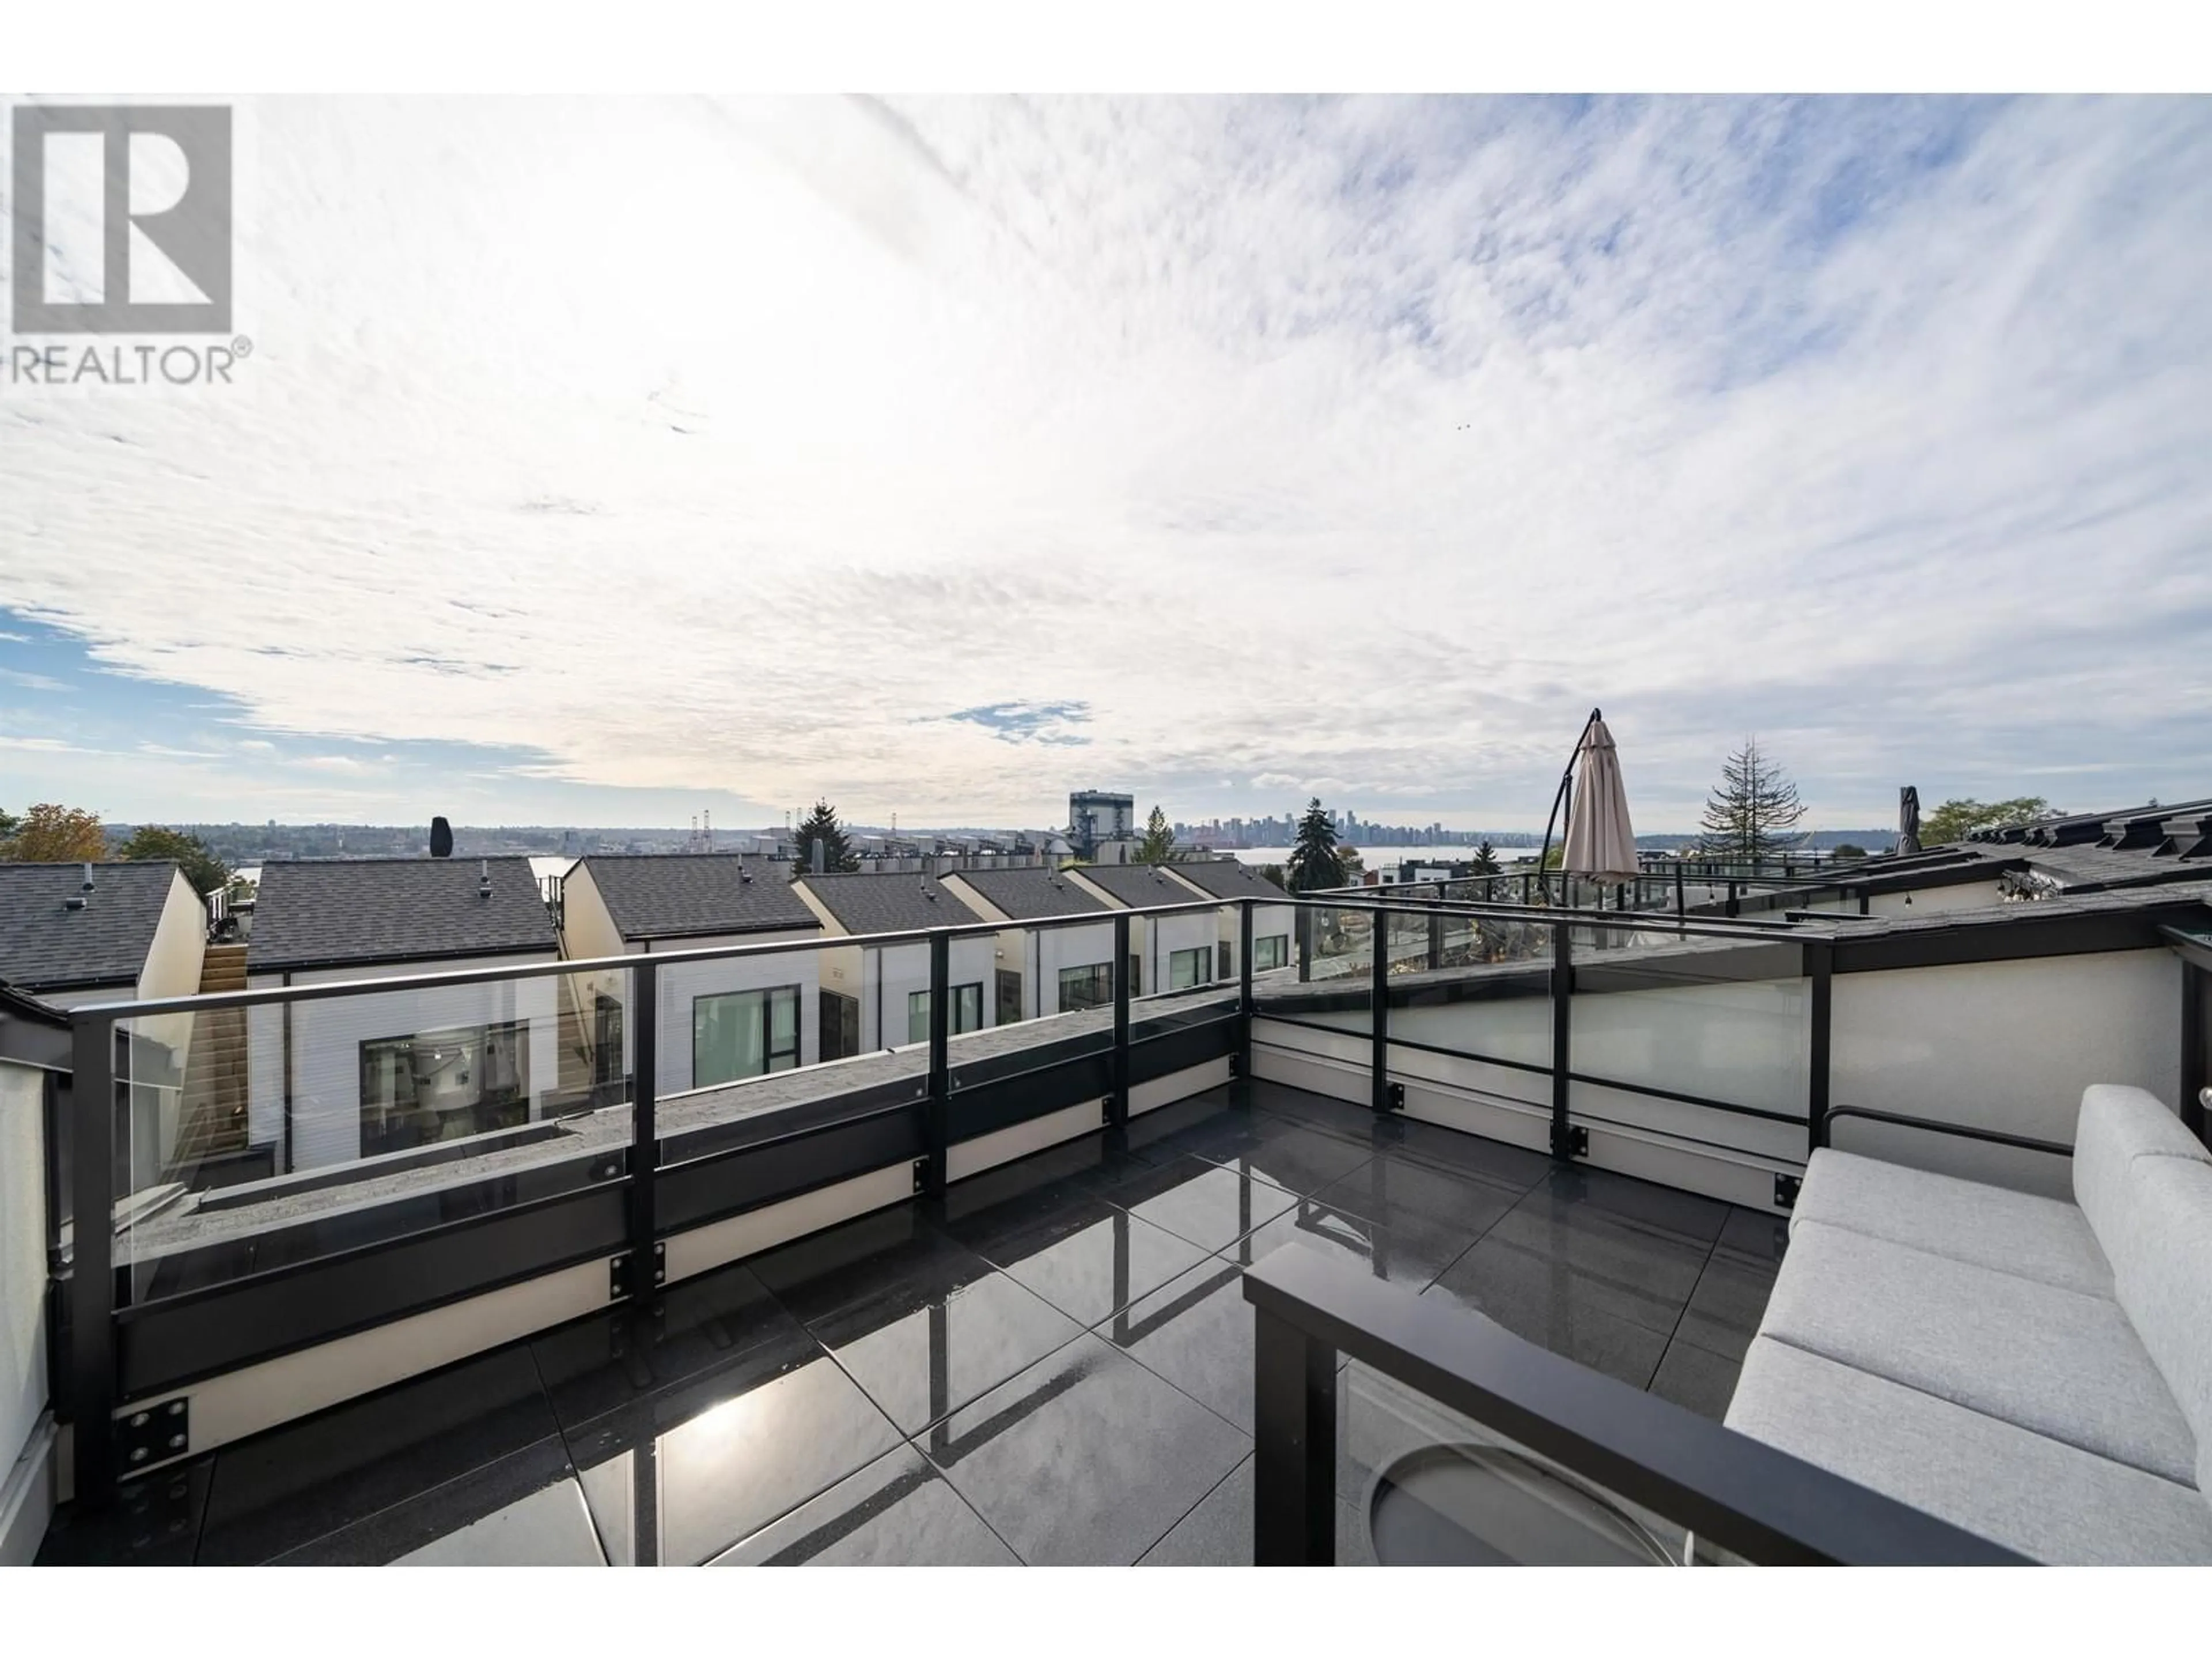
2116, 1125
2040, 1238
2166, 1287
2041, 1497
2062, 1363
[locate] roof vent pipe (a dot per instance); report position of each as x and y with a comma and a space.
88, 876
483, 878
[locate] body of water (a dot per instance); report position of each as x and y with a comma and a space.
1386, 858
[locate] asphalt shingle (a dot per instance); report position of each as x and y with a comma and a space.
1032, 894
47, 946
327, 913
685, 895
1228, 878
888, 902
1137, 885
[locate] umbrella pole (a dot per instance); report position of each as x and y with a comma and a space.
1567, 784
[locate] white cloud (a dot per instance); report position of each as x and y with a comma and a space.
1356, 448
44, 746
30, 682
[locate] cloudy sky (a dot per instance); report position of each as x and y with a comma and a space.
601, 461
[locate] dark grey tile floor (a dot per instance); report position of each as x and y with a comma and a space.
1054, 1365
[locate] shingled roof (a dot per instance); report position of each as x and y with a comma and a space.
1137, 885
329, 913
46, 945
1031, 895
888, 902
1227, 878
685, 895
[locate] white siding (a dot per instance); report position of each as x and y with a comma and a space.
681, 984
327, 1036
1934, 900
899, 970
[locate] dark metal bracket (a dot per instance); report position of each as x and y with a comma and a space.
155, 1434
618, 1272
1785, 1191
1571, 1142
1396, 1096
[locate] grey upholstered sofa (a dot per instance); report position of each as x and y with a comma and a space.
2036, 1371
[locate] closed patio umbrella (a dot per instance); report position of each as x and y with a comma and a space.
1601, 842
1908, 819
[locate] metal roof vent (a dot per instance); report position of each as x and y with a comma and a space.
483, 878
83, 896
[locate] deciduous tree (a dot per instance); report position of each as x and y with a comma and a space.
51, 833
206, 873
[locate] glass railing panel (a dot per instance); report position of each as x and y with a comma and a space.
1334, 947
1487, 995
250, 1136
1713, 1019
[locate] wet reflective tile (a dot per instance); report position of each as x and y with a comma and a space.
524, 1510
897, 1512
306, 1480
1540, 1297
154, 1521
1643, 1204
602, 1363
1199, 1202
1395, 1192
869, 1259
1085, 1458
775, 1432
1411, 1251
1213, 1118
1087, 1258
1195, 1331
1338, 1117
919, 1362
1753, 1236
1725, 1308
1691, 1376
1410, 1141
1015, 1195
1218, 1532
1632, 1272
1294, 1158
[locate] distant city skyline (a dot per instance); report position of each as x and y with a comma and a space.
1227, 451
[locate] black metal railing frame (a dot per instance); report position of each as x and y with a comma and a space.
1726, 1489
93, 1289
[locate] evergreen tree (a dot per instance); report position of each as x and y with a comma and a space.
1159, 845
822, 825
1314, 860
206, 873
1753, 812
1484, 861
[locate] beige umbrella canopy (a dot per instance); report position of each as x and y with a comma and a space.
1600, 842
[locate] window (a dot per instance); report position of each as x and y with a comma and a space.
440, 1086
1189, 968
839, 1031
967, 1012
1274, 952
1086, 987
743, 1034
1010, 997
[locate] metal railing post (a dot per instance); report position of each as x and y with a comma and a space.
1294, 1446
1562, 1004
1245, 1004
645, 1274
1732, 908
1379, 1017
938, 1139
2196, 1047
1436, 941
1305, 943
1681, 908
92, 1271
1820, 963
1117, 1107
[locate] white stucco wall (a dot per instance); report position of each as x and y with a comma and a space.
1934, 900
327, 1036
